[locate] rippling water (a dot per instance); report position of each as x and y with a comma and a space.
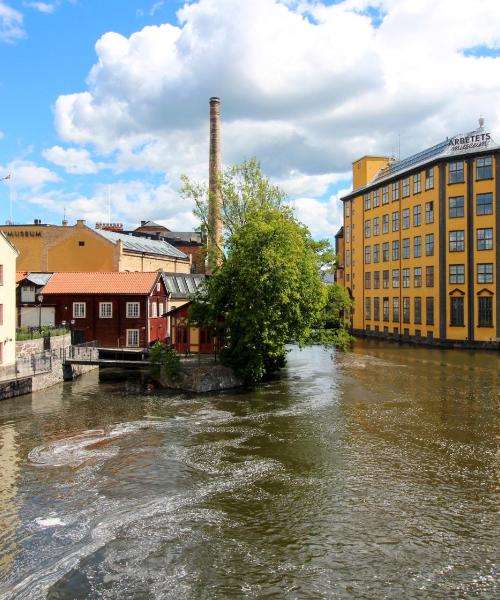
369, 474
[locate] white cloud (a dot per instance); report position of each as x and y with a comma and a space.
74, 160
130, 202
43, 7
11, 24
27, 175
323, 218
305, 87
156, 7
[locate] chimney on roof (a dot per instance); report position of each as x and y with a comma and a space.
80, 222
481, 122
214, 245
37, 221
143, 223
65, 222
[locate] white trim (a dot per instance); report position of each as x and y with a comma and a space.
128, 311
83, 313
136, 332
103, 314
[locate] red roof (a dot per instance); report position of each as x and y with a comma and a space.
101, 283
20, 275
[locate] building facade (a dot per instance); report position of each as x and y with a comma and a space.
116, 310
421, 247
8, 257
70, 248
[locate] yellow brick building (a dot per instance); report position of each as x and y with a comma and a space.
65, 248
422, 254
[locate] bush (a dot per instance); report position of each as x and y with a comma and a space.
164, 360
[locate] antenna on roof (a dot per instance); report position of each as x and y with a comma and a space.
109, 204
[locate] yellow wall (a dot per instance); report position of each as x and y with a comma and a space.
8, 299
365, 169
355, 271
133, 262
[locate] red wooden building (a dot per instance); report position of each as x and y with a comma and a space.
115, 309
186, 338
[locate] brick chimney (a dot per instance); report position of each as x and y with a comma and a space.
214, 244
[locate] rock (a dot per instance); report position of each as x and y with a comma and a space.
203, 378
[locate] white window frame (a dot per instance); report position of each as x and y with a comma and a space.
154, 310
103, 312
130, 313
135, 333
77, 312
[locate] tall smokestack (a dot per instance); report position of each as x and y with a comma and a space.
215, 198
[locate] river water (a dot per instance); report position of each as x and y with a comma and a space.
367, 474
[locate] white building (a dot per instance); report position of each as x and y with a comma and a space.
8, 256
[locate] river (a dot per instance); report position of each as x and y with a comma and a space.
366, 474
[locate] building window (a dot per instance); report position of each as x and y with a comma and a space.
395, 191
376, 309
406, 278
376, 280
429, 244
406, 248
417, 183
367, 201
385, 194
81, 243
368, 308
485, 273
456, 240
1, 274
385, 309
406, 310
406, 218
456, 207
376, 200
1, 314
395, 221
484, 168
395, 278
368, 224
429, 179
395, 249
385, 251
376, 228
368, 255
417, 306
417, 277
347, 209
105, 310
485, 239
368, 281
133, 338
79, 310
485, 306
457, 311
395, 310
376, 253
133, 310
457, 274
347, 258
348, 234
417, 246
456, 172
417, 216
484, 204
385, 223
385, 280
429, 276
406, 187
429, 311
154, 310
429, 212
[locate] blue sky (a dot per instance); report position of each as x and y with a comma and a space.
109, 99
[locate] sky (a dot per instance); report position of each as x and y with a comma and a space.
104, 103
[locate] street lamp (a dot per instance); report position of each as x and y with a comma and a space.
40, 300
72, 322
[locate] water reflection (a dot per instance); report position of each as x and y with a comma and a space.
366, 474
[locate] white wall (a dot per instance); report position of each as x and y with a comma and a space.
30, 316
8, 299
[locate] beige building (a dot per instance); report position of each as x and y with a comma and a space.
8, 256
71, 248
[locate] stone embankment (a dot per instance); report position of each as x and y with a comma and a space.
202, 377
37, 369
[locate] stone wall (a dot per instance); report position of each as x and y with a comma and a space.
26, 348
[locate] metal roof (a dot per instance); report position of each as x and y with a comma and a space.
143, 245
38, 278
182, 285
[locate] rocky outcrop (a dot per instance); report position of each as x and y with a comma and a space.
203, 378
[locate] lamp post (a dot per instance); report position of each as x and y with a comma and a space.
72, 322
40, 300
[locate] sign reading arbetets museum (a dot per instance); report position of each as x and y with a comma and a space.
471, 141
